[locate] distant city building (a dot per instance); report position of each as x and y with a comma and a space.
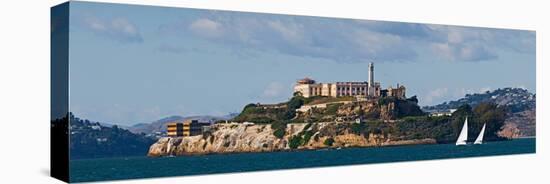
187, 128
308, 87
442, 113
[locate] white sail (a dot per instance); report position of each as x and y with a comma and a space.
479, 139
463, 134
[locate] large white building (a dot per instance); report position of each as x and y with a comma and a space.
308, 87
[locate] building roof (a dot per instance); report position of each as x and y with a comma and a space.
306, 80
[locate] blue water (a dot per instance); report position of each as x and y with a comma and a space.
144, 167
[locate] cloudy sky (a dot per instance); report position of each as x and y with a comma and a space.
137, 64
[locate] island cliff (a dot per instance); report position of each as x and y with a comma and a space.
233, 138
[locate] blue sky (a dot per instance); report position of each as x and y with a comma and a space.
136, 64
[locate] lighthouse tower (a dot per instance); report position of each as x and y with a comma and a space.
371, 80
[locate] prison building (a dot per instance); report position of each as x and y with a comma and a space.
307, 87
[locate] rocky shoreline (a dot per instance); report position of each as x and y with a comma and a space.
241, 138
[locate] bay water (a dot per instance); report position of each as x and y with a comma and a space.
145, 167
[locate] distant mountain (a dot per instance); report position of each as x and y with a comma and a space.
521, 105
94, 140
159, 127
155, 126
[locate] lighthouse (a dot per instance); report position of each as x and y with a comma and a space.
371, 79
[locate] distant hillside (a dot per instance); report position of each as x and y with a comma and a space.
520, 103
93, 140
153, 126
159, 126
516, 100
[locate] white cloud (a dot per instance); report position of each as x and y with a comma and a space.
124, 26
207, 28
454, 37
376, 45
345, 40
119, 29
463, 52
290, 32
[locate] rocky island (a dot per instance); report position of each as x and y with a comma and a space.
329, 123
344, 114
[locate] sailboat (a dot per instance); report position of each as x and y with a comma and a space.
463, 134
479, 139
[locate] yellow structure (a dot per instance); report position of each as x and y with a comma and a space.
174, 129
186, 128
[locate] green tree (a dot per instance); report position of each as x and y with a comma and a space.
307, 137
493, 116
279, 133
295, 102
329, 141
358, 128
279, 128
295, 141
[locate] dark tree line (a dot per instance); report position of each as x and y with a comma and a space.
92, 140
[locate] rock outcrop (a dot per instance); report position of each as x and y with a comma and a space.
519, 124
385, 108
237, 138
